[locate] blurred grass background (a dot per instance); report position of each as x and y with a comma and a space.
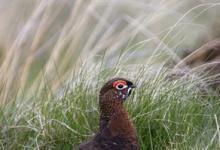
54, 55
50, 39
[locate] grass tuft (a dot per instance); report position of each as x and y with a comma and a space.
168, 114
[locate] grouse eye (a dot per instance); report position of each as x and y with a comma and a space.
121, 86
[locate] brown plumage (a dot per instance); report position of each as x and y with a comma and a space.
116, 131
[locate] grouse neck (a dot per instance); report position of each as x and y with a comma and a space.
120, 125
108, 110
115, 117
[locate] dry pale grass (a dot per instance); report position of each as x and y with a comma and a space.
43, 42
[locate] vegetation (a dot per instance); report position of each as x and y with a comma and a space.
168, 115
55, 56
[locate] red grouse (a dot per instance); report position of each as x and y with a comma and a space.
116, 131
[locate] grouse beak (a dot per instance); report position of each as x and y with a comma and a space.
130, 89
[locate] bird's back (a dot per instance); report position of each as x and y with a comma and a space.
100, 143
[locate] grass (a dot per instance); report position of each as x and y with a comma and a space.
168, 114
56, 55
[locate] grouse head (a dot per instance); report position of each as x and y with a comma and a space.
114, 93
118, 89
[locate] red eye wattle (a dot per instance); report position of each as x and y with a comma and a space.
119, 82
